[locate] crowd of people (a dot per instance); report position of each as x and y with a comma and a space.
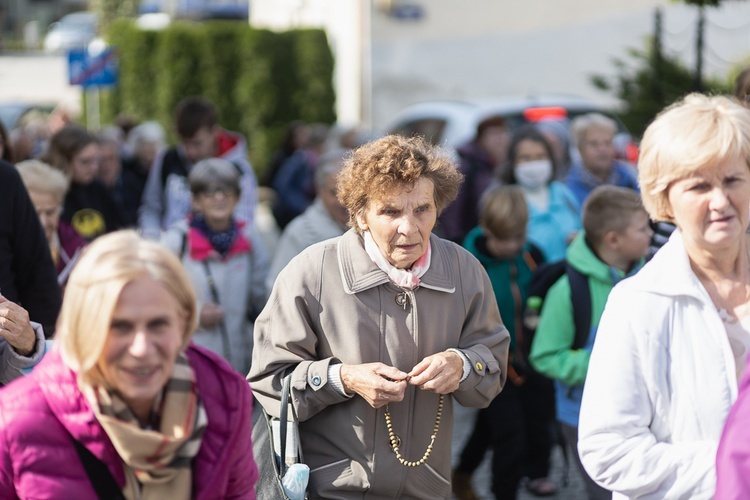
152, 295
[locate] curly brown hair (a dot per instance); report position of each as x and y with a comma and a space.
380, 166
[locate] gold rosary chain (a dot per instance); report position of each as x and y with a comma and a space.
395, 441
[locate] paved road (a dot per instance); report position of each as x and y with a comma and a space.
464, 418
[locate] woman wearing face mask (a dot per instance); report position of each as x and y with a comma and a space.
554, 213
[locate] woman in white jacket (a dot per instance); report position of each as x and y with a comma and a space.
673, 340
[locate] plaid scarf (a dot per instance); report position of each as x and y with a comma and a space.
158, 464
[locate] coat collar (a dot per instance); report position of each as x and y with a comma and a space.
669, 272
359, 272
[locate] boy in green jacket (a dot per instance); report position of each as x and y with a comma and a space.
611, 247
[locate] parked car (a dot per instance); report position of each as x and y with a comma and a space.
72, 31
453, 122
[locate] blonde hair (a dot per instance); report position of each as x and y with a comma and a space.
106, 267
504, 212
699, 132
384, 164
609, 208
40, 177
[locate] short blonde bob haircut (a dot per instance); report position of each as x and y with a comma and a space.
39, 177
504, 211
697, 133
393, 162
106, 266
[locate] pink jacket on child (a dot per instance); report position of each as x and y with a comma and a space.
42, 413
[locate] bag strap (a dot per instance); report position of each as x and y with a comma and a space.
215, 297
99, 475
283, 415
580, 296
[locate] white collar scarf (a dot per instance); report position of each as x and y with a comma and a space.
405, 278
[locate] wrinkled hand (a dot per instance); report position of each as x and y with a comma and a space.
439, 373
211, 315
16, 328
377, 383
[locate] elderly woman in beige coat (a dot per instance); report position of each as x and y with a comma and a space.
381, 329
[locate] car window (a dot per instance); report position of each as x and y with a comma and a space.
429, 128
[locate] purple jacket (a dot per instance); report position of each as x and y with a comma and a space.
40, 413
733, 457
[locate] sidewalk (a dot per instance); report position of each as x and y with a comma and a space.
464, 419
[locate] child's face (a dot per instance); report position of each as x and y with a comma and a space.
506, 247
635, 240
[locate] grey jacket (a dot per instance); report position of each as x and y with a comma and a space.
332, 304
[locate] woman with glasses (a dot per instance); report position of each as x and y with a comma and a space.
225, 259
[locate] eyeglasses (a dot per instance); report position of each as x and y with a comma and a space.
212, 191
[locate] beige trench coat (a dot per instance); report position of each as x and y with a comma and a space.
331, 304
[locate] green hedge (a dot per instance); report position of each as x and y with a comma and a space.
260, 80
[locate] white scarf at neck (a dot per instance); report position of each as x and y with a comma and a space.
406, 278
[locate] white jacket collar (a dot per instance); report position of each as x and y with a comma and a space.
669, 272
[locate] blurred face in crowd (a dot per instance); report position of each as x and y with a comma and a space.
217, 205
529, 150
506, 247
49, 208
598, 151
495, 141
144, 339
201, 145
146, 153
635, 240
85, 165
333, 206
109, 164
401, 222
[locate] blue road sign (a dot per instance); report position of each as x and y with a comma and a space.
92, 71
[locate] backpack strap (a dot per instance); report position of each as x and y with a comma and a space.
580, 296
98, 473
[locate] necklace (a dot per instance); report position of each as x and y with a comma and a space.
395, 441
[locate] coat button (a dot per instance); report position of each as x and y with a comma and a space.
316, 381
479, 366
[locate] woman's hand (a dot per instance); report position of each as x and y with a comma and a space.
377, 383
15, 327
439, 373
211, 315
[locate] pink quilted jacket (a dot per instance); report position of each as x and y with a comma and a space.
40, 413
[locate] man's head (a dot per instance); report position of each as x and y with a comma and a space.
594, 134
196, 122
617, 226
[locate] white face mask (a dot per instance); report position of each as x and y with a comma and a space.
533, 174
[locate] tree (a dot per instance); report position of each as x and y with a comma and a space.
651, 82
109, 10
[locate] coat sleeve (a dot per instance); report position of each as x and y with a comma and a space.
34, 271
484, 340
243, 474
551, 352
615, 441
285, 339
12, 364
151, 210
260, 264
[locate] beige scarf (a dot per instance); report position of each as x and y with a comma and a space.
158, 464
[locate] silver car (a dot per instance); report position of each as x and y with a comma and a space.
73, 31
